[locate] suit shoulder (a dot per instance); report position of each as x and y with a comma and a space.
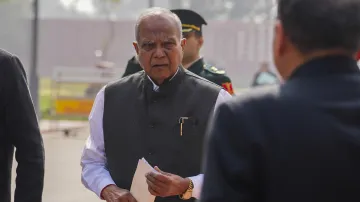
126, 81
214, 74
11, 64
214, 70
6, 56
201, 80
259, 96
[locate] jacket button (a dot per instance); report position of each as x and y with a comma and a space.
151, 125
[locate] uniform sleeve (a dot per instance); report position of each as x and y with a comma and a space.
95, 175
230, 170
23, 130
226, 83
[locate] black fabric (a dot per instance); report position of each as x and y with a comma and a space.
139, 122
19, 128
218, 77
132, 67
296, 142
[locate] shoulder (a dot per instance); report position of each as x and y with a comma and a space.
7, 58
128, 81
10, 64
201, 81
255, 99
216, 74
213, 70
5, 54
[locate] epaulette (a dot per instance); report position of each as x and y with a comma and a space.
213, 69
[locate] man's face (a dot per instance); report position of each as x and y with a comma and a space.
193, 45
159, 47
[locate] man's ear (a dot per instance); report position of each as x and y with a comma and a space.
183, 43
200, 41
280, 39
136, 46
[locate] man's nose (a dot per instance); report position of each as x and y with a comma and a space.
159, 52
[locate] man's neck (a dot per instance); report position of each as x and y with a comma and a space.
301, 59
157, 83
187, 64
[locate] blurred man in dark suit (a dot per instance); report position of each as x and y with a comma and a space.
300, 141
19, 129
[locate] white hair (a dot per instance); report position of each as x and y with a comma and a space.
157, 11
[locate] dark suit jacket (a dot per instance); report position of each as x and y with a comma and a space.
296, 143
19, 129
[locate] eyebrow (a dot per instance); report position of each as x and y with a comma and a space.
170, 39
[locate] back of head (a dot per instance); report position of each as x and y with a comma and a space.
313, 25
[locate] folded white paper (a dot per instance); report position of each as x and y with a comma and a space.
139, 187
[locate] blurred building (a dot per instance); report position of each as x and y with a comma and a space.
237, 38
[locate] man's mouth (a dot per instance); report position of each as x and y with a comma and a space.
160, 65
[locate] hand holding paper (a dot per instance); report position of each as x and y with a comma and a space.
139, 187
165, 184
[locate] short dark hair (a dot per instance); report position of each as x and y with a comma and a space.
321, 24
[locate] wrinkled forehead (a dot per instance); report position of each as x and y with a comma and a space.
158, 28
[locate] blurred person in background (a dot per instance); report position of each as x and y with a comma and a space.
165, 123
19, 128
264, 76
299, 141
192, 30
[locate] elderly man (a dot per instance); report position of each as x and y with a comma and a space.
300, 141
165, 123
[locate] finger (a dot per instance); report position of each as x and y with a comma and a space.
154, 187
160, 179
153, 192
160, 171
131, 198
126, 197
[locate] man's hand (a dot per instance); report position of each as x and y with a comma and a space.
166, 184
112, 193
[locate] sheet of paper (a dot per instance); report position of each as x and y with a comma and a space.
139, 187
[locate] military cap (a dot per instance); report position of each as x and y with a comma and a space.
190, 20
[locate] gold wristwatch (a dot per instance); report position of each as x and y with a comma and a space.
188, 193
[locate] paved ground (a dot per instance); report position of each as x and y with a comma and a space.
62, 177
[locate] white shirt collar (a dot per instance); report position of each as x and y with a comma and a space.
156, 87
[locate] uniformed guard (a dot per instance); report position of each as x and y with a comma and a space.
132, 67
264, 76
192, 30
